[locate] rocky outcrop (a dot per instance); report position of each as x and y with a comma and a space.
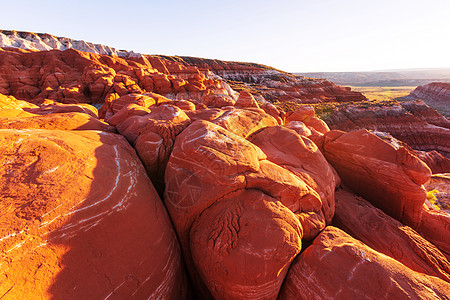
80, 219
435, 94
247, 184
435, 227
413, 123
177, 77
268, 83
62, 121
72, 76
337, 266
388, 175
434, 160
221, 187
382, 233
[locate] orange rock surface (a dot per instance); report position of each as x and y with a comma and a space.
211, 176
337, 266
377, 230
388, 175
247, 172
80, 219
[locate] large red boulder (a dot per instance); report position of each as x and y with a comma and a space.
301, 156
153, 135
80, 219
386, 174
246, 99
337, 266
221, 186
386, 235
306, 114
243, 245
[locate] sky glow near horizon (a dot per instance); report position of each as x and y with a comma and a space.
294, 36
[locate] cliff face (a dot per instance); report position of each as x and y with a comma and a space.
435, 94
414, 123
269, 83
435, 91
265, 83
72, 76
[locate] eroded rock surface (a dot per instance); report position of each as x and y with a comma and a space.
388, 175
382, 233
218, 178
337, 266
72, 204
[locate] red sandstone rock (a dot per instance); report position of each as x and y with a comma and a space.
336, 266
387, 175
60, 121
306, 115
243, 245
435, 227
208, 164
127, 111
299, 127
435, 161
244, 122
153, 135
144, 100
9, 102
435, 94
301, 156
408, 123
55, 107
80, 219
380, 232
270, 109
246, 99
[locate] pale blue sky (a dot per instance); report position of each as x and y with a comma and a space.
295, 36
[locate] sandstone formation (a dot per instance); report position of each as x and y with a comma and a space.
247, 172
435, 227
219, 178
435, 161
436, 95
80, 219
337, 266
380, 232
413, 123
386, 174
177, 77
72, 76
62, 121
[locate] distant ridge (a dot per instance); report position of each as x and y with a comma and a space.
407, 77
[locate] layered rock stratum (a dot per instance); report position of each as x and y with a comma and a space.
435, 94
133, 176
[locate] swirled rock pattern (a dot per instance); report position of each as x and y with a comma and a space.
73, 203
219, 178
